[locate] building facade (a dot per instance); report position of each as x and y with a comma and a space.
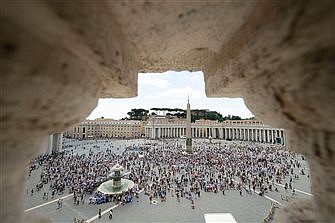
244, 130
158, 127
106, 128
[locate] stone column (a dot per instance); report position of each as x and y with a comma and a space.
273, 136
259, 133
57, 140
188, 129
50, 143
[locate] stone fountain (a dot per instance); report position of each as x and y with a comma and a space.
116, 184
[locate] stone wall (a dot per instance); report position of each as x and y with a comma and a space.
59, 57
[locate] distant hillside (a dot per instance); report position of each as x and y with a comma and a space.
197, 114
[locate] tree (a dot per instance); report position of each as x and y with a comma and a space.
138, 114
232, 117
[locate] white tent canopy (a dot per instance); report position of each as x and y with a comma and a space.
219, 218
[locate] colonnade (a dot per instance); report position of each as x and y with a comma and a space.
252, 133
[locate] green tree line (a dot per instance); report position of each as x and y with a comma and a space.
197, 114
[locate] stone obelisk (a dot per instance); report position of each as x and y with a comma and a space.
188, 128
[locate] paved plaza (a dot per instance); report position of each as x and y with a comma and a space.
246, 208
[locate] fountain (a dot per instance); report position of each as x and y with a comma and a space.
116, 184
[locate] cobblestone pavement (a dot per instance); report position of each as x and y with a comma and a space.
246, 208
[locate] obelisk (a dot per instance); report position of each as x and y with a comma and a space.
188, 128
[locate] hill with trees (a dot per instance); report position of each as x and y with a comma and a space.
197, 114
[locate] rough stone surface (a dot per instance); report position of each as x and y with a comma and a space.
58, 58
298, 211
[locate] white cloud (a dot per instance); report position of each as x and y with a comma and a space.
156, 80
181, 93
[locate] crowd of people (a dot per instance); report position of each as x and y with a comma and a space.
164, 171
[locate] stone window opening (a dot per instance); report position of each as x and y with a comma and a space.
278, 56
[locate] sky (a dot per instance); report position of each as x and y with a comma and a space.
170, 90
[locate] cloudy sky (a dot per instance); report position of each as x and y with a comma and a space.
170, 90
